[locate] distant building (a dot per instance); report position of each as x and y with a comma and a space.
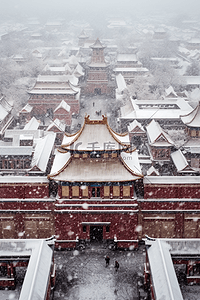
50, 90
97, 73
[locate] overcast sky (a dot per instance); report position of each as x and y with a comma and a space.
84, 8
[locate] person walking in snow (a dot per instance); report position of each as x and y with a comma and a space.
107, 259
116, 265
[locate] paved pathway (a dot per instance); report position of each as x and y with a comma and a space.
95, 106
84, 276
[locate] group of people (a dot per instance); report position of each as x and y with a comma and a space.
107, 259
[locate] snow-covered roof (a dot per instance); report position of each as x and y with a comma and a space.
163, 276
121, 84
126, 57
60, 160
54, 91
170, 92
155, 109
16, 150
26, 109
96, 135
23, 179
136, 126
193, 118
53, 78
73, 60
194, 41
35, 284
3, 112
94, 170
33, 124
25, 137
157, 136
171, 180
57, 123
151, 171
131, 161
130, 70
192, 80
78, 70
127, 109
192, 145
97, 45
14, 133
63, 105
42, 152
83, 35
183, 246
181, 162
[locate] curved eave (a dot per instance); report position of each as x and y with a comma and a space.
131, 171
139, 175
97, 172
51, 176
114, 135
195, 111
93, 122
76, 136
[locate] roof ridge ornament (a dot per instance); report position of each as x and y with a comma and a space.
104, 120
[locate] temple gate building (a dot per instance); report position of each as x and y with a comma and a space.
97, 174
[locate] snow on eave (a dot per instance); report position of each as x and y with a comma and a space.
121, 139
131, 162
63, 105
42, 152
26, 109
33, 124
134, 125
180, 162
58, 124
121, 84
61, 161
169, 91
126, 57
171, 180
152, 170
35, 283
193, 118
23, 179
163, 275
155, 131
69, 139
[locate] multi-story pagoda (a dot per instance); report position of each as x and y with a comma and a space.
96, 171
97, 72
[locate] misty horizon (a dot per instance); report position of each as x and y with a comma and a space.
97, 10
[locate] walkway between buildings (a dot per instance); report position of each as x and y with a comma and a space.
84, 275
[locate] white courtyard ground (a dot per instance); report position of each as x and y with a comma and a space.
84, 275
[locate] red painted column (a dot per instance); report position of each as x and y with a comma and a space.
111, 191
80, 193
102, 192
121, 191
70, 191
132, 191
89, 192
59, 191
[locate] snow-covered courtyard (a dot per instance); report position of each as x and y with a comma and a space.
84, 275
